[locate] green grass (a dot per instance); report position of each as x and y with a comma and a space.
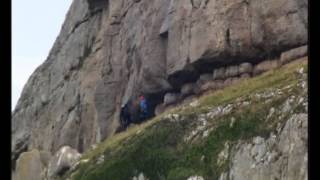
159, 150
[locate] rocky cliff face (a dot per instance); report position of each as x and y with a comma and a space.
111, 50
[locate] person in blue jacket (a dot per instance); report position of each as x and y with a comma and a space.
143, 108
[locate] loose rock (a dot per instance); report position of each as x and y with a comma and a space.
63, 160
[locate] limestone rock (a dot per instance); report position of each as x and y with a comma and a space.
265, 66
281, 156
208, 85
293, 54
29, 166
245, 68
159, 109
170, 98
232, 71
187, 89
18, 147
236, 29
204, 78
63, 160
219, 73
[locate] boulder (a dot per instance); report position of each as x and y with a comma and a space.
207, 86
245, 68
265, 66
170, 98
62, 161
187, 89
189, 99
204, 78
293, 54
19, 146
219, 73
29, 166
232, 71
197, 89
160, 108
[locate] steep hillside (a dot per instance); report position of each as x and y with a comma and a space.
256, 129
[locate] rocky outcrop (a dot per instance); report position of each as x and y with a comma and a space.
109, 51
29, 166
225, 76
281, 156
170, 98
63, 160
265, 66
293, 54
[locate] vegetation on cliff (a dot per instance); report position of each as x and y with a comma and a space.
188, 139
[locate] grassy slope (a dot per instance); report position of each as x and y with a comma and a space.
157, 147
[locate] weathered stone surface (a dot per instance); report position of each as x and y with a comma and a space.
160, 108
293, 54
170, 98
187, 89
63, 160
219, 73
245, 68
197, 89
208, 85
281, 156
265, 66
18, 147
189, 99
204, 78
45, 158
232, 71
29, 166
233, 28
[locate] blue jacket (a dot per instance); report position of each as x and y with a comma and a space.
143, 105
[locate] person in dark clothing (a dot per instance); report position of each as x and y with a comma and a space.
125, 116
